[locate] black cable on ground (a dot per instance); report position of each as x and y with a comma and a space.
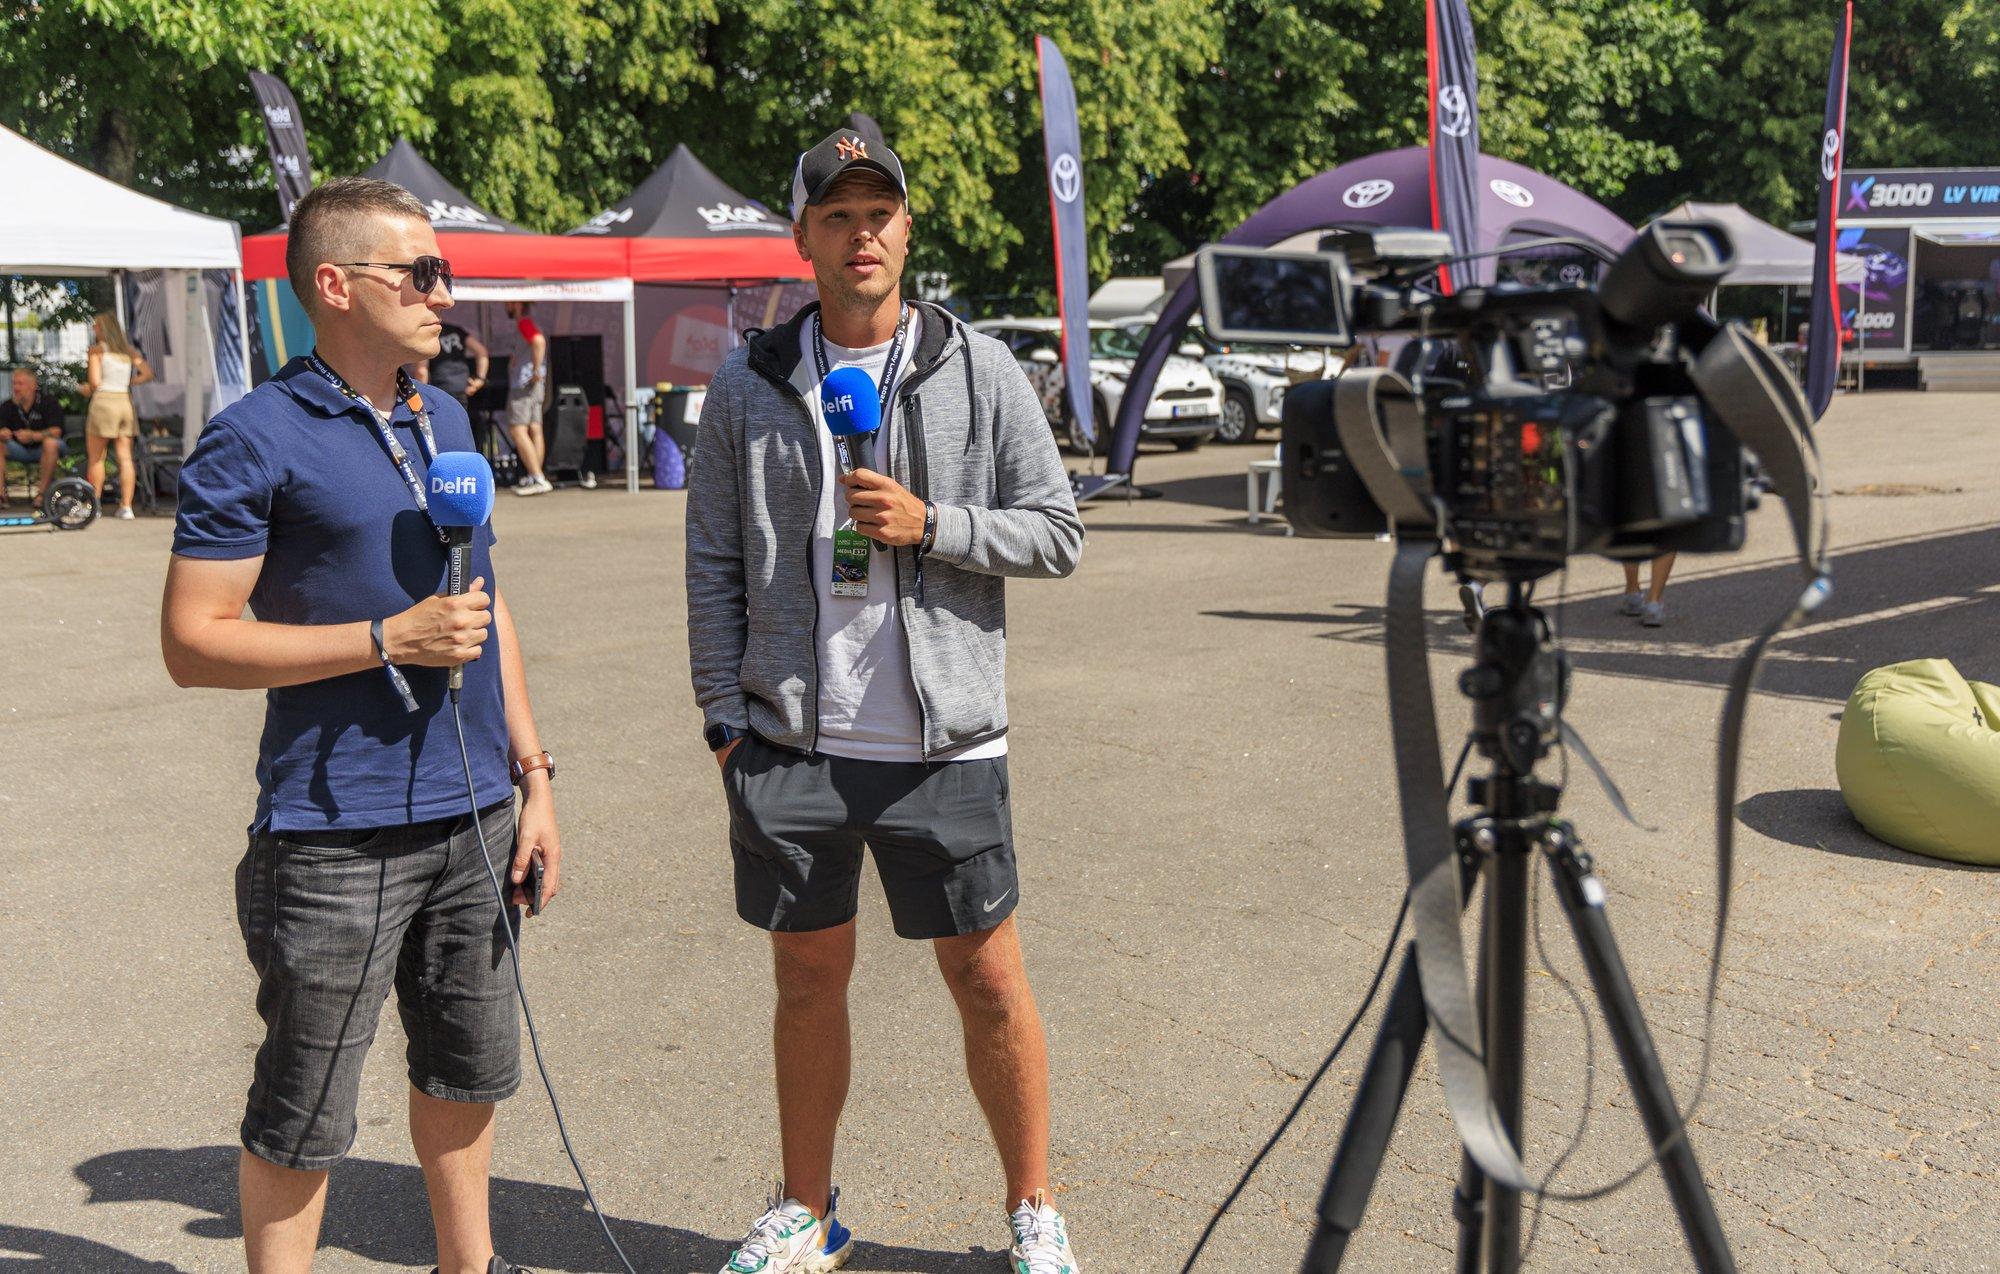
1346, 1033
520, 989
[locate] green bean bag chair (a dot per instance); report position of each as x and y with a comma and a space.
1919, 760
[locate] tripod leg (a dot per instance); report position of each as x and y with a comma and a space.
1468, 1198
1504, 990
1582, 897
1370, 1120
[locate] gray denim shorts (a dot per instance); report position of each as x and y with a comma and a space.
943, 837
524, 407
330, 920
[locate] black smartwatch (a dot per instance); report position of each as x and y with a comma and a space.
720, 736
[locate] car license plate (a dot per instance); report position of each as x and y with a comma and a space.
1186, 409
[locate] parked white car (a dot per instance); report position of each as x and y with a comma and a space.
1186, 406
1254, 380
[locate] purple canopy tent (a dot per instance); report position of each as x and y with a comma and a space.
1389, 189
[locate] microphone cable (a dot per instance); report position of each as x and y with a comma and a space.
521, 990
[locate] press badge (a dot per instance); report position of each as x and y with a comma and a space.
850, 562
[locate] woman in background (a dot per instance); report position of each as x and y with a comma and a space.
115, 367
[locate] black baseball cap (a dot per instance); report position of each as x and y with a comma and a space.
839, 153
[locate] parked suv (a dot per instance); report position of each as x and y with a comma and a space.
1254, 379
1186, 406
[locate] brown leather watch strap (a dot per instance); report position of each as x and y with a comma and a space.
529, 764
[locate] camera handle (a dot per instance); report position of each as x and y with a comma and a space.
1516, 688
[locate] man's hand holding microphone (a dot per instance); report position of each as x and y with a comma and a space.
443, 631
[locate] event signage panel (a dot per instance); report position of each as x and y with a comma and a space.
1454, 92
1920, 194
1829, 326
1062, 147
285, 134
1886, 249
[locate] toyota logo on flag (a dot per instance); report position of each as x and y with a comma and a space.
1366, 194
1513, 192
1065, 178
1829, 154
1454, 117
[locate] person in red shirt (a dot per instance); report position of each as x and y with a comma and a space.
527, 395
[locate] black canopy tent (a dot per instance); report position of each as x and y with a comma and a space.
706, 261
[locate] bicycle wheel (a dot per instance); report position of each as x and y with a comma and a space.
70, 504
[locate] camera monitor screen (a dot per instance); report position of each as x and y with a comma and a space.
1298, 298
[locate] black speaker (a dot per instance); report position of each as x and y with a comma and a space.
568, 422
579, 361
1324, 496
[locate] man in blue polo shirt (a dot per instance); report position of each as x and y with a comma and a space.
305, 501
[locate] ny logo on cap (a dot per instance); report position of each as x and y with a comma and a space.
852, 148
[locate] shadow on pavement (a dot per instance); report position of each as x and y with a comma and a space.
1214, 491
1927, 597
25, 1249
378, 1211
1817, 818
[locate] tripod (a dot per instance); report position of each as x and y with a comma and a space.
1514, 688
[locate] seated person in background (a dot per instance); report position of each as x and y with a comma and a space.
31, 422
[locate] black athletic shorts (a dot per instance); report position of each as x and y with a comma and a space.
942, 834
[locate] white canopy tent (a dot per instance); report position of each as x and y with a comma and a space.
76, 223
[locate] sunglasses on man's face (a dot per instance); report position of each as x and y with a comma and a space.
425, 272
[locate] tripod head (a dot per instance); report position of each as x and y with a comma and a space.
1517, 685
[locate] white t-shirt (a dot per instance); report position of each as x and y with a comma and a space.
868, 706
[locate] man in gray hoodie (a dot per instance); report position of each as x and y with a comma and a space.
847, 634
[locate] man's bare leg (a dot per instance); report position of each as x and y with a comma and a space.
281, 1213
1006, 1055
454, 1143
811, 1042
51, 455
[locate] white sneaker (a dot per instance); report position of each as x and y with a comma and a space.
543, 485
533, 486
1041, 1243
1631, 604
123, 515
1654, 615
789, 1239
588, 481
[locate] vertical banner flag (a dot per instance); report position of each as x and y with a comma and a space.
285, 131
1062, 144
1823, 341
1454, 82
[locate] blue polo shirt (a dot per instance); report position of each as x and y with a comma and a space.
295, 472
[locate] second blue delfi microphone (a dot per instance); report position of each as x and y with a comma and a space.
853, 410
460, 494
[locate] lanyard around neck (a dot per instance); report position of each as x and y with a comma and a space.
889, 369
406, 392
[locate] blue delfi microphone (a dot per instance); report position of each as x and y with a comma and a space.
853, 410
460, 493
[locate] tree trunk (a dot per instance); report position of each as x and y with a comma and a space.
117, 147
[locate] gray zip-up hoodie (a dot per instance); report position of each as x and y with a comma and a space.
968, 434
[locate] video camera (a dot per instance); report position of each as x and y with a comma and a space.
1536, 422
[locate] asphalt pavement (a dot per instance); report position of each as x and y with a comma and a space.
1209, 846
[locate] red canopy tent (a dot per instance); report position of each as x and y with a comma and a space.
488, 253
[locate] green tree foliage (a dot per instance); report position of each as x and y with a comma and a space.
1194, 112
155, 93
1924, 91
